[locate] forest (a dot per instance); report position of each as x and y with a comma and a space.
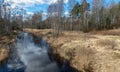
82, 16
67, 36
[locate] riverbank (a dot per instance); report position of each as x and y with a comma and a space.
86, 52
5, 41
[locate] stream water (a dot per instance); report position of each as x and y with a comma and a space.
27, 56
30, 57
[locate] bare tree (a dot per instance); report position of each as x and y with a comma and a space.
18, 15
36, 19
7, 14
60, 14
97, 6
112, 14
1, 4
55, 13
1, 24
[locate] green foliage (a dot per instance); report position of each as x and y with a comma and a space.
75, 10
119, 6
79, 9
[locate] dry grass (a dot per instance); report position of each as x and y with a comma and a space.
84, 58
86, 52
4, 53
107, 32
88, 36
110, 44
116, 55
5, 40
79, 53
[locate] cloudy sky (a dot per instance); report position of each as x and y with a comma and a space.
32, 6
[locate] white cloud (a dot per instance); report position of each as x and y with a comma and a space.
27, 3
31, 3
65, 1
30, 13
45, 14
66, 13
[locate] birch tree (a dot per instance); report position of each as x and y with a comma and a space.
55, 13
97, 6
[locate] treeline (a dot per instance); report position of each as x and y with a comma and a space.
54, 18
4, 18
83, 16
10, 18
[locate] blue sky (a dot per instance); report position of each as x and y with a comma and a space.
32, 6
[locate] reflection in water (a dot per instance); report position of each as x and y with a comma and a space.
35, 58
27, 56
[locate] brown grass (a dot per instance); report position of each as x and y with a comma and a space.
111, 44
84, 57
87, 52
116, 55
4, 53
5, 40
107, 32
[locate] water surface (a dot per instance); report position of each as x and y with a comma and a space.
34, 57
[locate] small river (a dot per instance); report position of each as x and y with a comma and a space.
27, 56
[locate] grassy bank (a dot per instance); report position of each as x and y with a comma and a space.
5, 40
86, 52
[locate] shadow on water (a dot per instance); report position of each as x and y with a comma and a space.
30, 54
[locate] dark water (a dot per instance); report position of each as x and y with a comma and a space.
27, 56
35, 58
